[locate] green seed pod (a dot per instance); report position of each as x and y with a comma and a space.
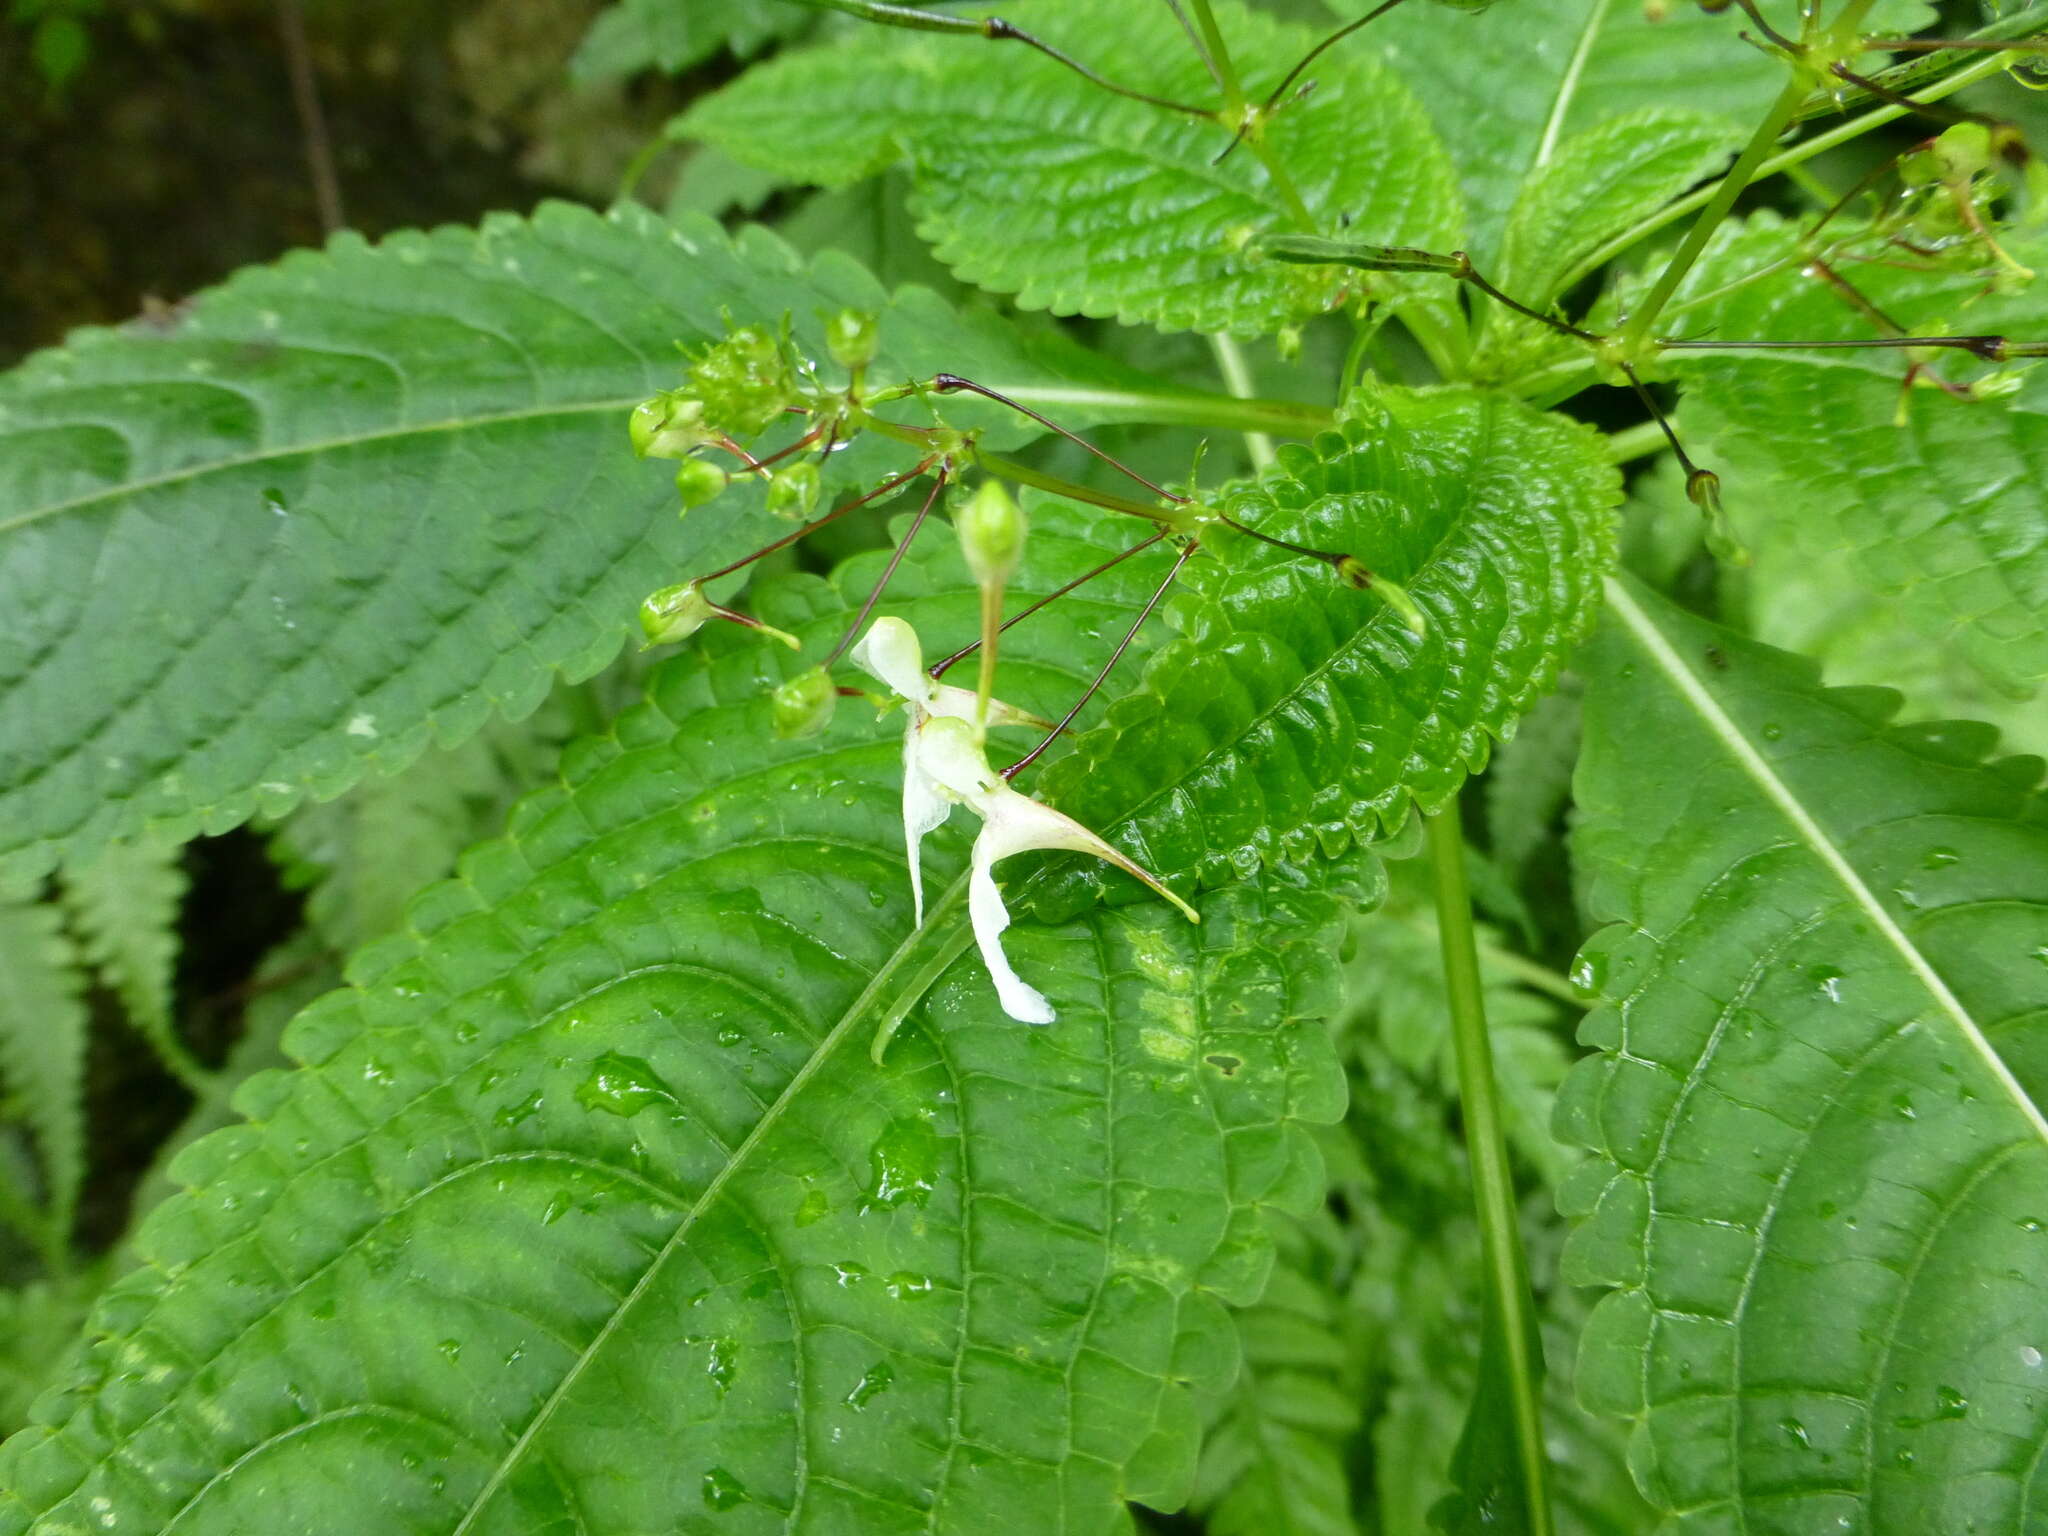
674, 613
793, 491
991, 528
670, 426
803, 706
852, 338
699, 481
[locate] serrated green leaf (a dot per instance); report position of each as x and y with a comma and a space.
590, 1171
1297, 714
1032, 182
393, 484
124, 904
1273, 1455
1597, 183
1943, 513
1823, 1165
42, 1047
1531, 780
674, 35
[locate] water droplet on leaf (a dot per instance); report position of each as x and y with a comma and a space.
622, 1085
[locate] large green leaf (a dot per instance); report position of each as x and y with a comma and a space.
1823, 1164
1295, 714
351, 503
589, 1211
1033, 182
1938, 502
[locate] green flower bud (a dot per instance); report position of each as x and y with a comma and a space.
793, 491
744, 382
803, 706
699, 481
851, 337
991, 528
669, 426
1963, 151
675, 613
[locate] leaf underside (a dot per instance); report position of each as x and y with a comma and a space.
1822, 1189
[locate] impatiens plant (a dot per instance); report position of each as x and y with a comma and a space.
1496, 974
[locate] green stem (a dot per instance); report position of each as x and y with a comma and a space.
1237, 378
1024, 474
1493, 1188
1799, 153
1636, 442
1158, 408
1739, 176
1227, 81
945, 936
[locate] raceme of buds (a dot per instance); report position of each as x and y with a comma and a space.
699, 481
991, 528
803, 706
669, 426
744, 382
852, 339
793, 491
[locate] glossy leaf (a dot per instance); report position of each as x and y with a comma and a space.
391, 483
1816, 1100
1942, 512
1030, 181
1296, 714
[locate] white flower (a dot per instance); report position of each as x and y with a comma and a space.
945, 764
890, 651
950, 755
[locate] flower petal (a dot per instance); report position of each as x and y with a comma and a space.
891, 652
962, 704
926, 805
1021, 1001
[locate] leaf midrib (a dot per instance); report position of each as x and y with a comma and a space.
946, 916
1694, 692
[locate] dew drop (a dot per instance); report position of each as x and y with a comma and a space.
1939, 858
814, 1207
1950, 1404
847, 1273
378, 1072
557, 1208
622, 1085
1795, 1431
524, 1110
1902, 1106
730, 1037
905, 1164
872, 1384
451, 1349
2030, 1357
904, 1283
1829, 980
721, 1366
2031, 1224
1589, 973
722, 1490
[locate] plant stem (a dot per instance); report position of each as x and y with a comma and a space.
1164, 408
1636, 442
1797, 154
1237, 378
1751, 161
1234, 106
1024, 474
1493, 1188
